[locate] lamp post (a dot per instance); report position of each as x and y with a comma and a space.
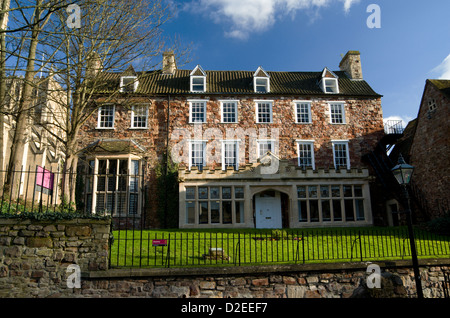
402, 173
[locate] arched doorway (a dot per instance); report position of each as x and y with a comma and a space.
270, 209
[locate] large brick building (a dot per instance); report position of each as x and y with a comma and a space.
254, 148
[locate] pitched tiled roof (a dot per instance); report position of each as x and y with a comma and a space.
237, 82
442, 85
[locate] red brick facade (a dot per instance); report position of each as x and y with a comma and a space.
362, 128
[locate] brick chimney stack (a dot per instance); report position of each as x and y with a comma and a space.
351, 64
169, 63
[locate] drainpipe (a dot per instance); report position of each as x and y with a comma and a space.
166, 163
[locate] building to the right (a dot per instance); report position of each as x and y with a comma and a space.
426, 146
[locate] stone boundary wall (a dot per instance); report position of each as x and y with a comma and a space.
35, 256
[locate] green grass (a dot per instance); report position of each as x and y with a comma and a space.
250, 246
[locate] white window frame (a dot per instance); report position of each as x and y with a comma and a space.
266, 85
257, 102
135, 83
342, 104
341, 142
203, 78
230, 142
116, 192
133, 115
311, 144
325, 84
190, 110
203, 143
258, 148
99, 117
304, 102
235, 102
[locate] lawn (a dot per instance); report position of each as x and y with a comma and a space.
178, 248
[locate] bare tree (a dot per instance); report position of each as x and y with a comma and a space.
113, 35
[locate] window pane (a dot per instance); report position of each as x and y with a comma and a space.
312, 191
102, 167
215, 211
359, 204
302, 211
106, 116
326, 210
226, 193
190, 193
133, 203
239, 192
349, 216
336, 191
337, 211
203, 193
314, 210
239, 211
358, 191
214, 193
301, 192
324, 191
226, 212
347, 191
203, 213
190, 212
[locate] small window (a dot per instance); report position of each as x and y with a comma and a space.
106, 116
197, 111
230, 150
139, 115
128, 84
198, 83
264, 146
330, 85
261, 81
261, 85
341, 155
305, 150
264, 112
303, 112
229, 111
197, 154
337, 113
198, 80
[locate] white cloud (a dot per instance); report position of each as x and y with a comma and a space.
443, 69
248, 16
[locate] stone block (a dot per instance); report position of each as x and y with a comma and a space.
39, 242
78, 230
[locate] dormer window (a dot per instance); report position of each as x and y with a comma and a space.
329, 83
261, 81
128, 84
198, 80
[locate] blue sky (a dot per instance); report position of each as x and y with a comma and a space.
412, 44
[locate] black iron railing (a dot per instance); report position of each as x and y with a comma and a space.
148, 248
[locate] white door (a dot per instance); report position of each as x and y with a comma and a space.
268, 211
